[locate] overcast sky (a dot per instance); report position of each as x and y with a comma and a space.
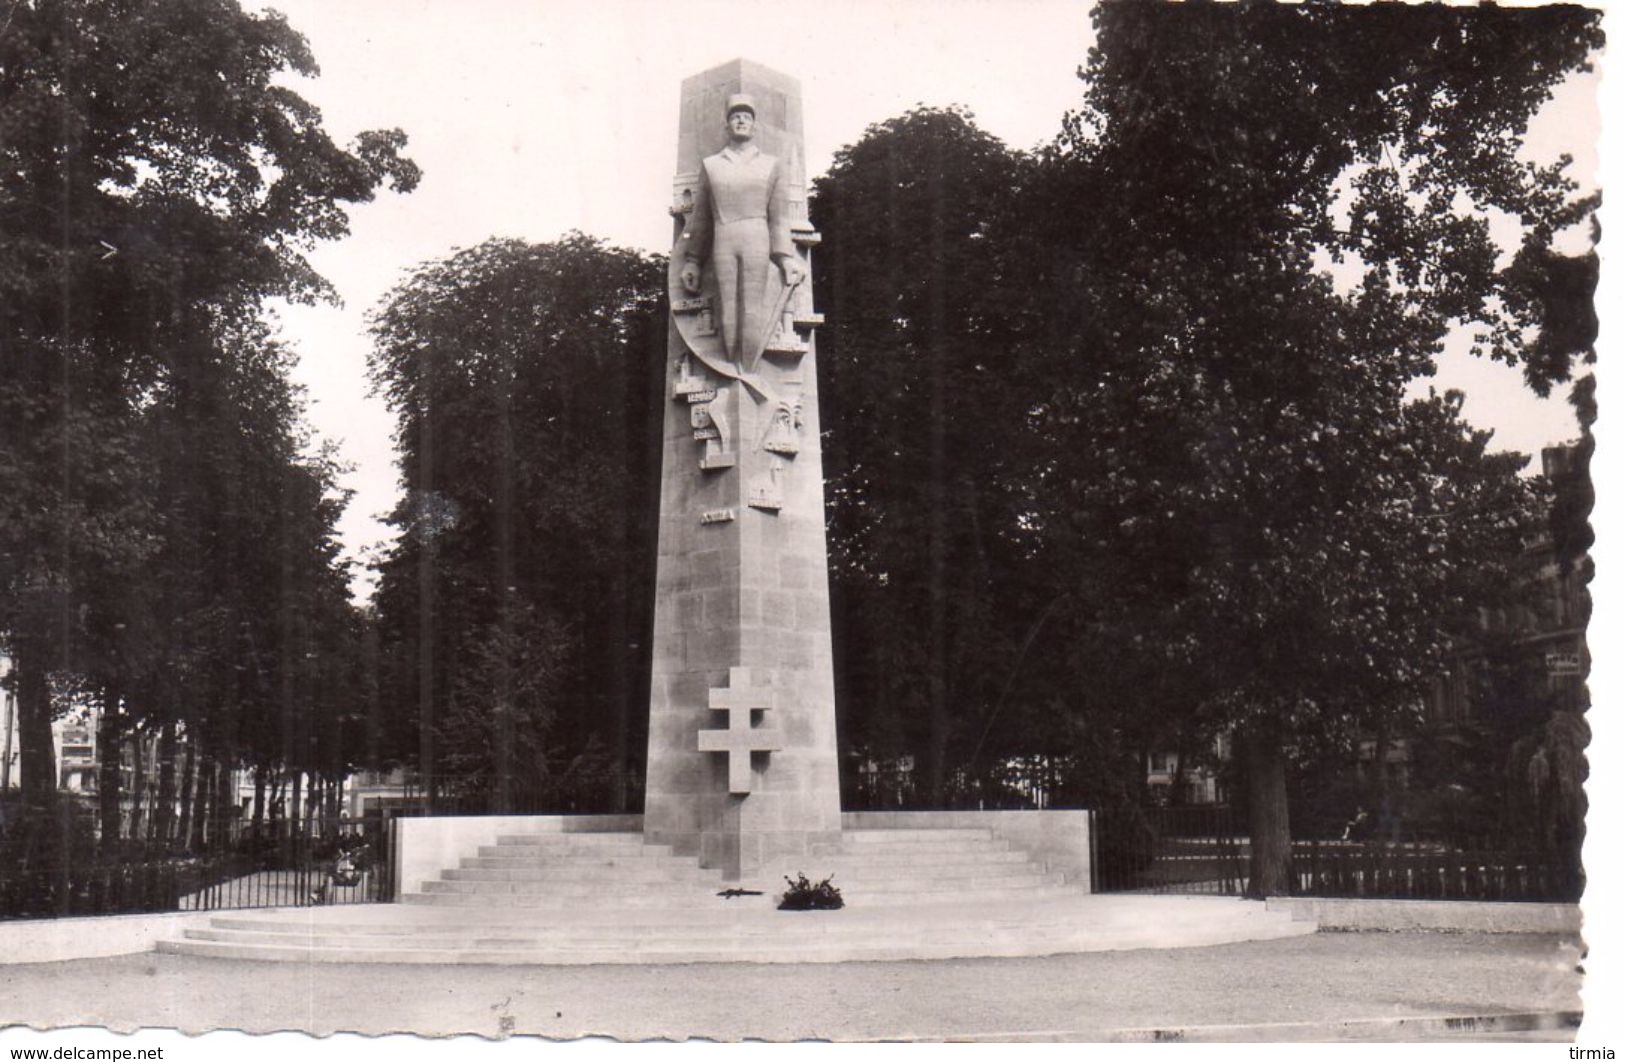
534, 117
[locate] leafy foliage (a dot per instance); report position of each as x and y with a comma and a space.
514, 606
166, 541
919, 415
1312, 537
1191, 477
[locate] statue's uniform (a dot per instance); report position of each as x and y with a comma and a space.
741, 221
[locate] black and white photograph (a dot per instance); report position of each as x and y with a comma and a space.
529, 524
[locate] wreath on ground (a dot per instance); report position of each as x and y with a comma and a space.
803, 895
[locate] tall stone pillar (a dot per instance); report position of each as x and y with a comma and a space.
742, 762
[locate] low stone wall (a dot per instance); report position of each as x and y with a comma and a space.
1460, 916
426, 846
60, 939
1057, 839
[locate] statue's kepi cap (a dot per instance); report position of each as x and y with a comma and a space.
740, 101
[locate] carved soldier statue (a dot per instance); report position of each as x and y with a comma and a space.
739, 227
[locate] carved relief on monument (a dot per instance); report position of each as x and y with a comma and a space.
699, 418
711, 427
706, 419
691, 386
682, 194
735, 248
769, 496
785, 338
687, 382
784, 430
748, 731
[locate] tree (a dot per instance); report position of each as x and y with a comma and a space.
525, 380
1308, 537
923, 417
157, 186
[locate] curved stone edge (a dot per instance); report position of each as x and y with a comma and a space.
1449, 916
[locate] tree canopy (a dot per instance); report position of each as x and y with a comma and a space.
1297, 202
920, 411
167, 539
1140, 401
525, 379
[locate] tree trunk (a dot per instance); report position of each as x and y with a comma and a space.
163, 814
35, 748
1270, 867
203, 795
936, 742
621, 669
1177, 796
109, 748
426, 637
188, 794
1384, 795
138, 786
228, 821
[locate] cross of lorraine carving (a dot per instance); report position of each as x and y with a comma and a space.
741, 700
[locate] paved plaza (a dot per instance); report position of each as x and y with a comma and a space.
1324, 986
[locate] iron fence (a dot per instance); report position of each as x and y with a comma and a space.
1206, 850
891, 786
1201, 849
286, 863
1432, 871
571, 792
333, 861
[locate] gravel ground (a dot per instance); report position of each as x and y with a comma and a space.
1326, 977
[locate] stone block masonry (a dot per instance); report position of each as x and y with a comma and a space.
742, 591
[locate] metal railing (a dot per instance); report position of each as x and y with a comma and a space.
1206, 850
287, 863
577, 792
1423, 871
1201, 849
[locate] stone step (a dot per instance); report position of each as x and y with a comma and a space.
857, 886
557, 901
580, 840
871, 947
906, 849
946, 877
921, 857
696, 927
788, 935
917, 836
1074, 911
538, 853
794, 929
903, 899
571, 898
849, 868
518, 857
634, 872
590, 888
623, 853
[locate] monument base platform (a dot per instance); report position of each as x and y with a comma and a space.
738, 932
561, 894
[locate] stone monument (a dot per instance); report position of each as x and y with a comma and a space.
742, 765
